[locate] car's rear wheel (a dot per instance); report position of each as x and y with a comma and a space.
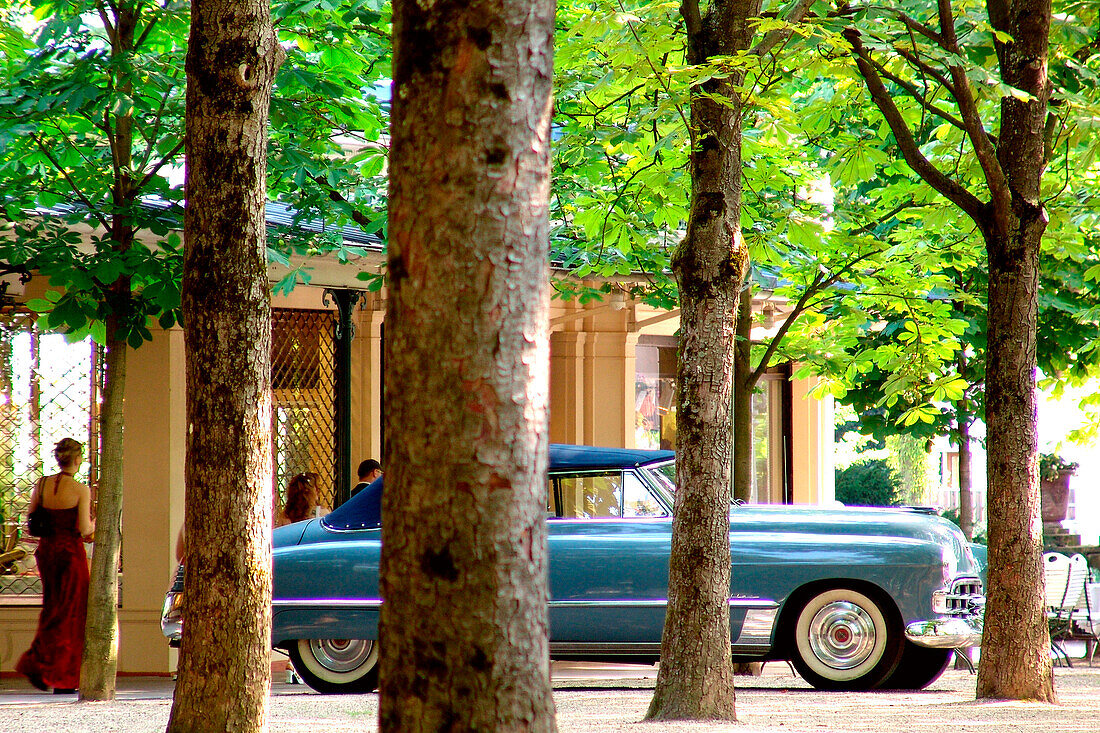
336, 665
918, 668
844, 640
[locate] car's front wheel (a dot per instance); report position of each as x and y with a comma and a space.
919, 667
844, 640
336, 665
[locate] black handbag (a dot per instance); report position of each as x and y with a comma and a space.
39, 522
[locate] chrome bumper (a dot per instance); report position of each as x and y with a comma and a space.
171, 617
171, 613
959, 610
946, 633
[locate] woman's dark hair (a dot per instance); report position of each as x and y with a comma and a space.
301, 497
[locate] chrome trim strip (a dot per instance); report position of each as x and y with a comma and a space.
757, 627
608, 648
338, 602
617, 603
760, 603
655, 603
752, 603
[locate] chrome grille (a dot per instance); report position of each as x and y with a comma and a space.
966, 596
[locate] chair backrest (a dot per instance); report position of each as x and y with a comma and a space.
1078, 579
1056, 568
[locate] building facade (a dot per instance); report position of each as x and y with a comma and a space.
612, 383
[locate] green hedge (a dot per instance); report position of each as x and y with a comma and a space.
868, 483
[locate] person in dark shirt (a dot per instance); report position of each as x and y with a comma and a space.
369, 470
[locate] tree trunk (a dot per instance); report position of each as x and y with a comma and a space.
464, 573
966, 494
742, 400
224, 674
1015, 661
99, 661
743, 457
963, 420
695, 679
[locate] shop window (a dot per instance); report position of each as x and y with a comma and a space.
655, 393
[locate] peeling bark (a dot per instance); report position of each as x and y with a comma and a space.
464, 577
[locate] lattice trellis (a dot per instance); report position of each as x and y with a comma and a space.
49, 390
303, 384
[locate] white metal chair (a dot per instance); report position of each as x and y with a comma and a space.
1065, 583
1085, 618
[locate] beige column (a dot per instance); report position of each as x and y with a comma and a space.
153, 497
812, 445
366, 382
567, 386
609, 378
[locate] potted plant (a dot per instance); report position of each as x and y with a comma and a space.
1054, 473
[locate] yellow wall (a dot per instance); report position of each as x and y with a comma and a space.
153, 480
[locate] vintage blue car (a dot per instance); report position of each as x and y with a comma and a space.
854, 598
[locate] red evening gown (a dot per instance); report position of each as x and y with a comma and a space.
54, 656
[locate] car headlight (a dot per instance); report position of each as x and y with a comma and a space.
950, 564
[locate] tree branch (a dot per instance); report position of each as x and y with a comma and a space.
108, 26
693, 19
924, 67
983, 147
150, 142
916, 94
656, 73
72, 184
160, 164
149, 27
948, 187
866, 228
773, 345
915, 25
775, 37
357, 216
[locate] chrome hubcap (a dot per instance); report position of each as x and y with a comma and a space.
341, 655
842, 635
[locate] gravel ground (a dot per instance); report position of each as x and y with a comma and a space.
593, 699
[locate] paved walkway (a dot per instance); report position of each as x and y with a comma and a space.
596, 698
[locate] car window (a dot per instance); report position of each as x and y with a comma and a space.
601, 495
590, 495
637, 500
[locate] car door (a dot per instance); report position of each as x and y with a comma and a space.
609, 540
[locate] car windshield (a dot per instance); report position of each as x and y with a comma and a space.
665, 475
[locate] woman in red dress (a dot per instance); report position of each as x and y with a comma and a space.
54, 657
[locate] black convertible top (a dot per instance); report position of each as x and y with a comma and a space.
362, 510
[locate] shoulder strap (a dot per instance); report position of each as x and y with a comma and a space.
36, 492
